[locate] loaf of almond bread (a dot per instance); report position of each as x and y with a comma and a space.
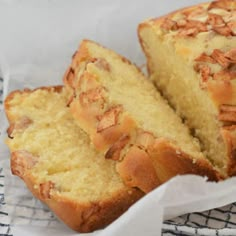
191, 58
128, 121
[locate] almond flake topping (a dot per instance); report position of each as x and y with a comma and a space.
232, 27
223, 75
45, 189
205, 72
231, 55
109, 118
223, 30
227, 113
219, 17
169, 24
228, 5
92, 95
21, 161
102, 64
23, 123
226, 60
220, 58
205, 58
114, 151
215, 20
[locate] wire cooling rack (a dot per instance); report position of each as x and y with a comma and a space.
27, 210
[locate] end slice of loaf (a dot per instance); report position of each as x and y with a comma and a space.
191, 56
128, 121
56, 161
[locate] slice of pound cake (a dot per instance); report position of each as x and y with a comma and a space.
191, 57
128, 121
55, 159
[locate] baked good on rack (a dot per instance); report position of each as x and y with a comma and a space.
191, 57
55, 159
128, 121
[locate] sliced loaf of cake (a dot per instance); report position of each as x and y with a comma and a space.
191, 57
55, 159
128, 121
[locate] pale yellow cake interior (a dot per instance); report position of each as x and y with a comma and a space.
127, 86
65, 155
171, 67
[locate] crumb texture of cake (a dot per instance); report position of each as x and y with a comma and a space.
55, 159
128, 120
191, 58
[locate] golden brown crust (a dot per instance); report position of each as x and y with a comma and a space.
10, 96
229, 135
136, 169
80, 216
216, 70
170, 161
107, 124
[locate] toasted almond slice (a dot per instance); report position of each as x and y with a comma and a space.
102, 64
145, 139
87, 81
45, 189
228, 5
21, 161
69, 77
10, 130
181, 23
115, 150
223, 30
188, 32
215, 20
205, 73
221, 12
199, 15
223, 75
227, 113
202, 27
92, 95
231, 55
109, 118
70, 99
220, 58
205, 58
169, 24
23, 123
232, 26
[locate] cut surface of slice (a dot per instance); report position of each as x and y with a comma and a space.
191, 59
128, 120
55, 159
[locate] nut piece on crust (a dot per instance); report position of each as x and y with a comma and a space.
19, 125
227, 113
227, 5
21, 161
109, 119
114, 151
45, 189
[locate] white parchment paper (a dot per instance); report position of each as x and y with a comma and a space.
36, 44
